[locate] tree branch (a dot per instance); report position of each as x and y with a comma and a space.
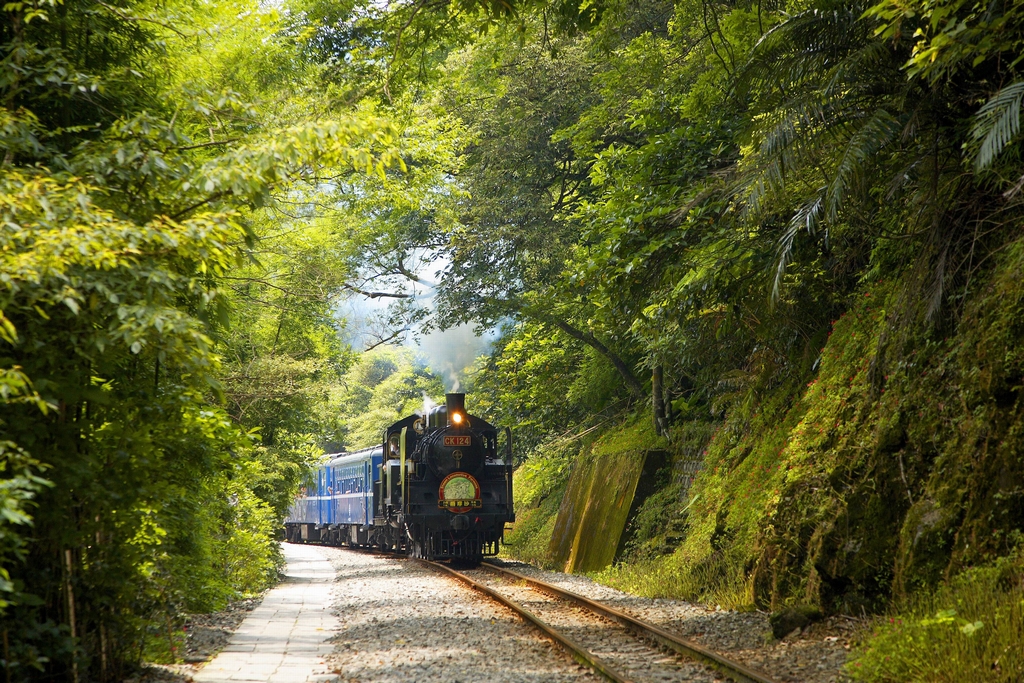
189, 209
213, 143
400, 267
632, 383
261, 281
377, 295
385, 340
129, 17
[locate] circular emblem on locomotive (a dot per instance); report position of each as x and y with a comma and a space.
459, 492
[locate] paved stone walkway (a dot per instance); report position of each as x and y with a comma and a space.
284, 640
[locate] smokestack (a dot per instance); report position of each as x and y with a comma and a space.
455, 403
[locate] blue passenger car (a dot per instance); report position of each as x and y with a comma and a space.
337, 502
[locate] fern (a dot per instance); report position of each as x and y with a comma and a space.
832, 102
997, 123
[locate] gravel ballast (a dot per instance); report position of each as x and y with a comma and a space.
633, 658
814, 655
401, 622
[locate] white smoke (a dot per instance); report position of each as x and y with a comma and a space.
428, 405
451, 352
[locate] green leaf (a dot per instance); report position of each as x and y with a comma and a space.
971, 628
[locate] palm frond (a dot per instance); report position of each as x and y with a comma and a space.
807, 217
824, 39
794, 136
812, 73
997, 123
877, 132
873, 58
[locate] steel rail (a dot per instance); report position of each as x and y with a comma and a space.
710, 658
578, 652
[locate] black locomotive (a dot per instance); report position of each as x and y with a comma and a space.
437, 488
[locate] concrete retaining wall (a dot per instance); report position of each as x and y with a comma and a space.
605, 488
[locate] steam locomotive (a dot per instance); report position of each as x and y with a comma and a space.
436, 488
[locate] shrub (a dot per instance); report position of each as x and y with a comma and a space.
971, 629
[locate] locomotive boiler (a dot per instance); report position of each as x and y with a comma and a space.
436, 488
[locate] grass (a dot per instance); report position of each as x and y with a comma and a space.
715, 580
539, 485
528, 541
971, 629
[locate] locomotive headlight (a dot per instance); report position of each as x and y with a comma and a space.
456, 418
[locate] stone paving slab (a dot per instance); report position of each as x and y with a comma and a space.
284, 640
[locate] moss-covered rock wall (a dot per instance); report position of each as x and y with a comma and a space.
898, 462
894, 464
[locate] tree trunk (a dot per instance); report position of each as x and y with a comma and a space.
70, 595
658, 402
632, 383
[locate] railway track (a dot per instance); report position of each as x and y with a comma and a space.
627, 650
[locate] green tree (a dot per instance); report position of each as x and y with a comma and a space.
129, 200
384, 386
